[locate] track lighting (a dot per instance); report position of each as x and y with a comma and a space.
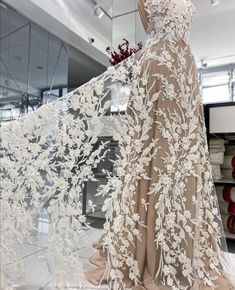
215, 2
204, 65
98, 11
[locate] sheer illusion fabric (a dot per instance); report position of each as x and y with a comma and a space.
163, 229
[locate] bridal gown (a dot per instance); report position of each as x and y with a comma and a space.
163, 230
177, 204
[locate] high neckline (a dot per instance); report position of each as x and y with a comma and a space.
169, 19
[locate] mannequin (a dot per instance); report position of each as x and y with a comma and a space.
157, 16
143, 14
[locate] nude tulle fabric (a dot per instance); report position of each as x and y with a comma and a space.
145, 250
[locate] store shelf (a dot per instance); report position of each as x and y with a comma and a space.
219, 120
224, 182
230, 236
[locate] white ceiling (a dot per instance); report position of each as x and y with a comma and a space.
212, 36
204, 8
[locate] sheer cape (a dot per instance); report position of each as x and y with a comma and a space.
161, 183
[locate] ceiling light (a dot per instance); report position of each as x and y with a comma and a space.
215, 2
204, 65
98, 11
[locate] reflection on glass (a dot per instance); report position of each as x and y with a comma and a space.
32, 61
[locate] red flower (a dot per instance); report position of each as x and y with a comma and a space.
123, 53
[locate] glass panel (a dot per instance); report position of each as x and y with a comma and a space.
10, 21
124, 22
32, 61
57, 63
14, 52
38, 60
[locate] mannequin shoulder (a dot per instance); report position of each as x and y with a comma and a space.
141, 3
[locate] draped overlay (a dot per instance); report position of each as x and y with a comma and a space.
163, 228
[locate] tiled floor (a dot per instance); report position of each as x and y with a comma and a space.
38, 262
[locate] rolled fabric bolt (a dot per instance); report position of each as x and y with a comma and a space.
228, 173
228, 222
216, 150
229, 162
216, 141
231, 224
231, 208
229, 193
217, 158
216, 171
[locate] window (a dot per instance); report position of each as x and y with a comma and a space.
216, 94
216, 87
